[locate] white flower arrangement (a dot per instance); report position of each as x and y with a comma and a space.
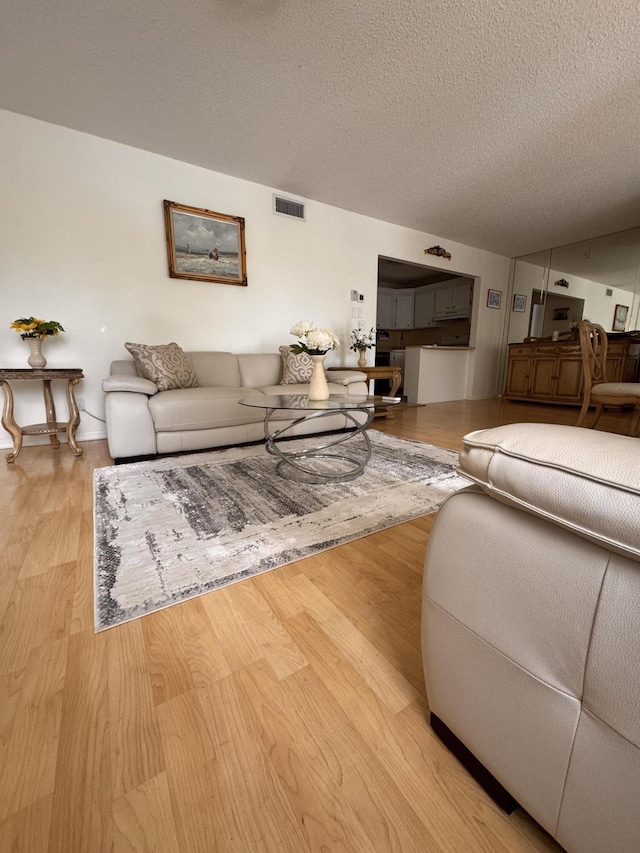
361, 341
311, 340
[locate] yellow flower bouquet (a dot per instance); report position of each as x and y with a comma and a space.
32, 327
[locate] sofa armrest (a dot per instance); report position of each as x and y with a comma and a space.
129, 383
346, 377
130, 429
581, 479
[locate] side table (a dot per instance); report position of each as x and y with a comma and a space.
380, 372
52, 427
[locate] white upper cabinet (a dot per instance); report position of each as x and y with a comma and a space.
453, 300
404, 310
424, 309
461, 297
395, 309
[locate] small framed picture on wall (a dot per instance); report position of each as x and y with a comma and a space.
519, 303
494, 298
620, 318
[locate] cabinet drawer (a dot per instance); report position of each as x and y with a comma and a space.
556, 349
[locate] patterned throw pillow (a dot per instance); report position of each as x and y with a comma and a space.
295, 368
168, 365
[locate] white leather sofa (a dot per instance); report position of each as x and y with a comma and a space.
142, 421
531, 626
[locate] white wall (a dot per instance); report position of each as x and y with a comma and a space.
82, 242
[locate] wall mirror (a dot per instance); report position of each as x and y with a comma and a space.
594, 279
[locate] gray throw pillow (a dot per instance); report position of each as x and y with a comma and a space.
168, 365
296, 369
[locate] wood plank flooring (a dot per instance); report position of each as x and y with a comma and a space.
283, 713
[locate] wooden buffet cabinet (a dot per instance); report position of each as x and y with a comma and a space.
551, 371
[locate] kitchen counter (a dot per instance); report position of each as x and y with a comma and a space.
436, 374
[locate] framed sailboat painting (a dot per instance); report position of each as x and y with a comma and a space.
205, 246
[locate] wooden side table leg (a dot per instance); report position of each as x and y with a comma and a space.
396, 379
74, 417
51, 410
9, 423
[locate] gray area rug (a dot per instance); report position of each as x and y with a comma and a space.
175, 528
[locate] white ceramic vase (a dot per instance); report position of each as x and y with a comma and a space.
36, 359
362, 358
318, 388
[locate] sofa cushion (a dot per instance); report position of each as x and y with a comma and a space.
259, 368
219, 369
167, 365
296, 368
202, 408
584, 480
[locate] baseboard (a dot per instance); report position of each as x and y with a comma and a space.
128, 460
501, 797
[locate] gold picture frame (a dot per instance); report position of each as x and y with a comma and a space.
203, 245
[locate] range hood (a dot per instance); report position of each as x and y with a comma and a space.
462, 314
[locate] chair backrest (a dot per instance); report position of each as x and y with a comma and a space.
593, 345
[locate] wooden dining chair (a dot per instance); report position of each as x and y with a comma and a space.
593, 344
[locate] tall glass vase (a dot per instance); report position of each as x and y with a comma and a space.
318, 388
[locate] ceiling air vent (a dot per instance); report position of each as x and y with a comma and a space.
289, 207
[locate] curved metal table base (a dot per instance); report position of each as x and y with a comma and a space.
298, 465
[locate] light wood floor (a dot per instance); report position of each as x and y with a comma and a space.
284, 713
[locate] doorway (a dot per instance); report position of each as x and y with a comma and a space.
418, 305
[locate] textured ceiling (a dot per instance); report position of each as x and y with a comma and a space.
499, 124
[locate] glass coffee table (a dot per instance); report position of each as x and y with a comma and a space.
336, 458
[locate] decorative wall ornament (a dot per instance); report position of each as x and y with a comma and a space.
439, 251
561, 282
205, 246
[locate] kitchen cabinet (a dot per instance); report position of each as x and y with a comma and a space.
394, 309
424, 309
551, 372
404, 310
386, 313
453, 300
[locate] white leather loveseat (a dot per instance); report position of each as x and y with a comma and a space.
143, 421
531, 626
